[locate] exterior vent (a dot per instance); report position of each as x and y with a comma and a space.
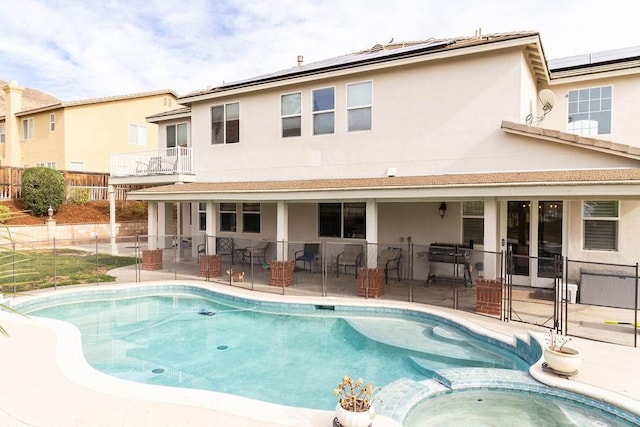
376, 48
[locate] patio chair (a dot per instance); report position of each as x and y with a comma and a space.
389, 260
224, 247
258, 251
307, 255
350, 257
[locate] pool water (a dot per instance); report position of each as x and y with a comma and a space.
496, 408
295, 358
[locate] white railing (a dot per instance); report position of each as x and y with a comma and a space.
168, 161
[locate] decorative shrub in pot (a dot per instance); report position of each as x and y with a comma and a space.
559, 356
354, 402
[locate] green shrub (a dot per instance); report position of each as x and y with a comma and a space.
5, 213
79, 196
42, 187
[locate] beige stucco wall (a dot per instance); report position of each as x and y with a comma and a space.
46, 146
102, 129
625, 127
433, 118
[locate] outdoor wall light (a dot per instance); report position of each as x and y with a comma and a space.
442, 209
50, 212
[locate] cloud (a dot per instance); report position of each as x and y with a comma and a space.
78, 49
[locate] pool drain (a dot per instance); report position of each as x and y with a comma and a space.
157, 370
222, 347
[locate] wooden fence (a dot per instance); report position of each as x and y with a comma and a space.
97, 183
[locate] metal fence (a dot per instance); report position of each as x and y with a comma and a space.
451, 276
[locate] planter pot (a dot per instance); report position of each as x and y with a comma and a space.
353, 419
567, 361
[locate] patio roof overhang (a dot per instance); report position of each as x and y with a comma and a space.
566, 184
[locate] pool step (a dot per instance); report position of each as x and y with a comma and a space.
447, 334
396, 399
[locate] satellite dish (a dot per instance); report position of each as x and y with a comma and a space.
547, 98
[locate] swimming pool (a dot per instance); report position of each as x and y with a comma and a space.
178, 312
192, 338
513, 408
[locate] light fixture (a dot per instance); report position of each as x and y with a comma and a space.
442, 209
50, 212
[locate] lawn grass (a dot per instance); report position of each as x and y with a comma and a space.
34, 269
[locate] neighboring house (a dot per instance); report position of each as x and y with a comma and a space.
368, 147
79, 135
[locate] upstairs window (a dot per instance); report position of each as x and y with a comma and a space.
251, 217
600, 225
291, 114
473, 222
52, 122
27, 129
590, 111
228, 217
225, 124
359, 106
177, 135
2, 133
137, 135
323, 108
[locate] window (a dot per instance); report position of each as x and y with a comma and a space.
202, 216
323, 111
251, 217
27, 129
51, 165
76, 166
347, 220
359, 106
227, 217
52, 122
291, 113
137, 135
225, 124
590, 111
177, 135
473, 222
600, 219
2, 133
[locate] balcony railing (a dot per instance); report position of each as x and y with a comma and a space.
168, 161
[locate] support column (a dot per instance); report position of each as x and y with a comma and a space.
211, 226
112, 219
165, 225
372, 234
282, 231
152, 256
370, 277
152, 225
281, 268
491, 244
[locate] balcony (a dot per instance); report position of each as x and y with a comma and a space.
155, 166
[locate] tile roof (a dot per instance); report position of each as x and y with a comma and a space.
572, 139
98, 100
513, 179
384, 53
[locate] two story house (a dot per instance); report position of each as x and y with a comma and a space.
78, 135
478, 140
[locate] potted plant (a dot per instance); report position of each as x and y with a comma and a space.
354, 402
559, 356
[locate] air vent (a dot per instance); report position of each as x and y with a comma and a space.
376, 48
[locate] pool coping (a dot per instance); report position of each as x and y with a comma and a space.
73, 365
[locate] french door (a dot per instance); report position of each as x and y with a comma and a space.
534, 236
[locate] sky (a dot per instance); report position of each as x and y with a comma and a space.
85, 49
